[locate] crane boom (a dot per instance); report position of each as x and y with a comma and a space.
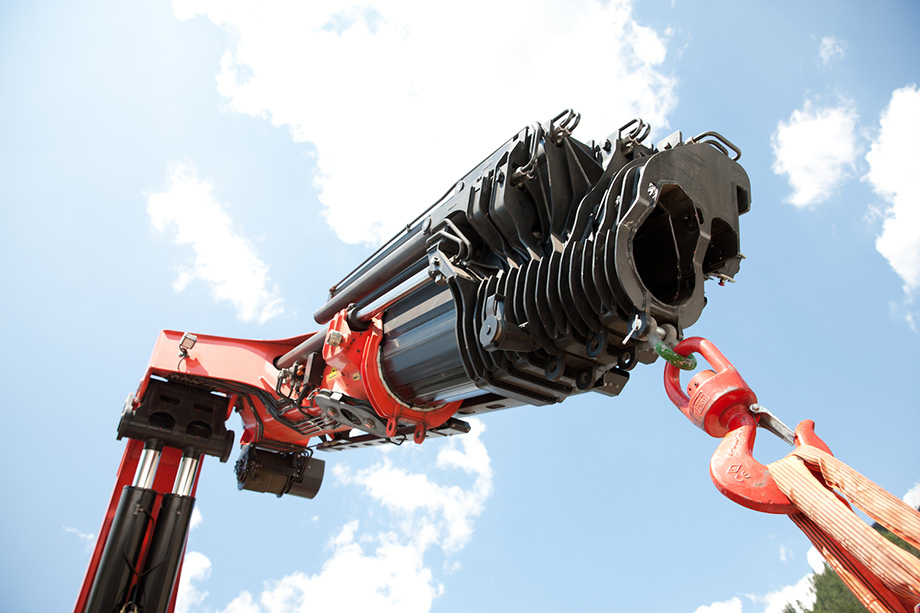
551, 269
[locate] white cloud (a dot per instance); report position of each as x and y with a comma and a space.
242, 604
831, 48
815, 560
729, 606
434, 513
401, 99
391, 565
88, 538
222, 257
196, 519
801, 596
912, 497
196, 567
391, 577
817, 150
893, 161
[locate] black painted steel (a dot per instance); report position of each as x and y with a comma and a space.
314, 344
261, 470
420, 356
544, 256
120, 555
167, 544
180, 416
380, 276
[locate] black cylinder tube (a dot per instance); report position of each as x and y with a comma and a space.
399, 277
314, 344
383, 274
122, 548
420, 354
167, 544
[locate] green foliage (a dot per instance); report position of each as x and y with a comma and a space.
832, 594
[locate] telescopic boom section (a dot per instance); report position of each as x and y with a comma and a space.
539, 275
549, 270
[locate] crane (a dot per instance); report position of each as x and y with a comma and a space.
552, 268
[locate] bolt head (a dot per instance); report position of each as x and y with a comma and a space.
334, 338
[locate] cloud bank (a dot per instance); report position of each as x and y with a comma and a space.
400, 100
221, 255
424, 515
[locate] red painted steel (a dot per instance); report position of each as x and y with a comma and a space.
719, 402
238, 362
712, 393
244, 371
354, 359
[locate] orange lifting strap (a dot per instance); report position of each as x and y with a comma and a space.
882, 575
803, 485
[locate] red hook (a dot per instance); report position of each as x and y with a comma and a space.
720, 403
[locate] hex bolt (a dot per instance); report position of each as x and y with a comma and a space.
334, 338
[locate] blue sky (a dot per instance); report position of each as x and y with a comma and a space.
208, 167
